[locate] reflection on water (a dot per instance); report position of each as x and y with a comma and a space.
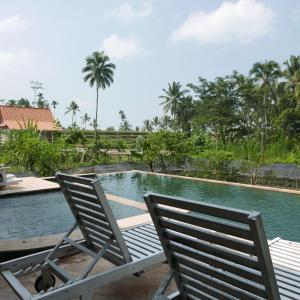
280, 210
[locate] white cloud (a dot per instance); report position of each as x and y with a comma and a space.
241, 21
127, 12
15, 58
11, 24
121, 48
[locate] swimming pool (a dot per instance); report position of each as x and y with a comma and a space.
43, 214
280, 211
48, 213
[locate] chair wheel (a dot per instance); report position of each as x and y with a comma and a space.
49, 283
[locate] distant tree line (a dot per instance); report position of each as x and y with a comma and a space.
263, 105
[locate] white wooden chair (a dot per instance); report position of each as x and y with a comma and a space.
215, 252
132, 250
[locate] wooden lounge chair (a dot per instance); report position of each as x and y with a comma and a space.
132, 250
216, 252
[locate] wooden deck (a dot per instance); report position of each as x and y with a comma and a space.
286, 261
285, 255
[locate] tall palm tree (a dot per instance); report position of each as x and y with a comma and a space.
98, 71
148, 125
126, 126
186, 113
266, 74
292, 73
172, 97
73, 108
85, 118
54, 105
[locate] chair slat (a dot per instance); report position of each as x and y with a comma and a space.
97, 230
79, 188
89, 197
89, 218
205, 294
235, 215
189, 286
89, 205
85, 210
209, 236
216, 262
198, 220
146, 242
77, 179
218, 251
233, 280
189, 278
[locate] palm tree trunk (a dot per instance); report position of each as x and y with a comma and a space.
72, 120
96, 125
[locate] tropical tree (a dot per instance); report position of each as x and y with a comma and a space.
85, 119
216, 109
172, 97
54, 105
266, 75
156, 122
186, 113
164, 149
147, 125
99, 72
165, 122
11, 102
73, 108
125, 125
94, 124
42, 102
292, 73
23, 102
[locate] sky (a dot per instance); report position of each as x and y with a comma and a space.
151, 42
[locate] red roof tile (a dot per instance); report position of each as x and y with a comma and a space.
13, 117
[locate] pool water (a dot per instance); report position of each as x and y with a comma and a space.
48, 213
280, 211
44, 214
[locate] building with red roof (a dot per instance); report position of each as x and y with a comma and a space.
17, 118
